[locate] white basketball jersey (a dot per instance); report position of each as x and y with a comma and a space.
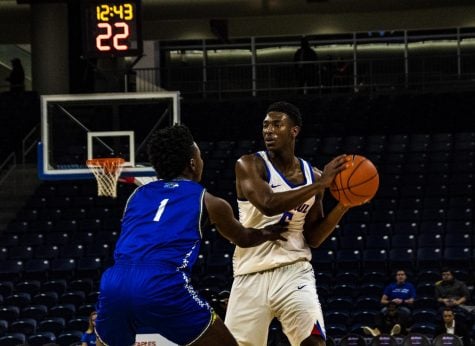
273, 254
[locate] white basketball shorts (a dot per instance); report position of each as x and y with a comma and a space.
288, 293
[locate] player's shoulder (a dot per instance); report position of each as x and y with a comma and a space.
248, 156
251, 158
248, 163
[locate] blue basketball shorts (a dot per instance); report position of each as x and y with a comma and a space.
145, 299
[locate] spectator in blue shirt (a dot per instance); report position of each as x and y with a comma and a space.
401, 293
89, 337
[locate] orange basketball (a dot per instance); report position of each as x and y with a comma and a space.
356, 184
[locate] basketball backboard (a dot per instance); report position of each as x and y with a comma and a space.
75, 128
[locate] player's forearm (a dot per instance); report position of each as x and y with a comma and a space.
250, 237
317, 234
279, 202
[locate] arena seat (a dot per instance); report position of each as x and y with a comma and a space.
9, 313
384, 339
352, 339
41, 338
26, 326
69, 337
12, 339
65, 311
48, 298
37, 312
28, 286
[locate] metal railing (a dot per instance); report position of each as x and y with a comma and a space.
29, 142
418, 73
7, 167
10, 163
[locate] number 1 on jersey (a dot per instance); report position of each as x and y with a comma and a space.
161, 209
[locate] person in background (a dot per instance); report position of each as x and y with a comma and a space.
450, 325
452, 293
392, 321
305, 59
401, 292
17, 76
89, 337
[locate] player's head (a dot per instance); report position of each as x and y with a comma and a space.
173, 153
281, 125
287, 108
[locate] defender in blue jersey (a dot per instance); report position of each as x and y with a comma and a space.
148, 289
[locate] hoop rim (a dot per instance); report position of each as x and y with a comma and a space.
102, 161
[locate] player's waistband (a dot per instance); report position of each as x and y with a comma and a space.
282, 266
146, 265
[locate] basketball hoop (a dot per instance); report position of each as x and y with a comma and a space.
107, 172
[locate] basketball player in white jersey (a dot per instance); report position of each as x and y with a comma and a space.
276, 279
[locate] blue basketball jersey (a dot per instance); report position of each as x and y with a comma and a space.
162, 225
148, 289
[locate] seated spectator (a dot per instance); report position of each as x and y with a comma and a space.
392, 321
401, 293
89, 336
452, 293
450, 325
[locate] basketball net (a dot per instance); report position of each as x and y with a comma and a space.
107, 172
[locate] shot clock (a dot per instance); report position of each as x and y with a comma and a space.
112, 28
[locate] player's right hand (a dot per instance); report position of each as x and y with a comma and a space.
334, 167
274, 231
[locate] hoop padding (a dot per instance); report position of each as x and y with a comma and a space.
107, 172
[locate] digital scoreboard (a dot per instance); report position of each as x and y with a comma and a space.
112, 28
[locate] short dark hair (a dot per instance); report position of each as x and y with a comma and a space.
285, 107
170, 150
446, 269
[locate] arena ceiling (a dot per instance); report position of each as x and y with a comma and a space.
182, 9
190, 19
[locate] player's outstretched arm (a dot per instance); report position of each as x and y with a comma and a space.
318, 227
221, 215
252, 185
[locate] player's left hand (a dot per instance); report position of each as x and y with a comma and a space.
334, 167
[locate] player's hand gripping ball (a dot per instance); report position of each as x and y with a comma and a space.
357, 184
